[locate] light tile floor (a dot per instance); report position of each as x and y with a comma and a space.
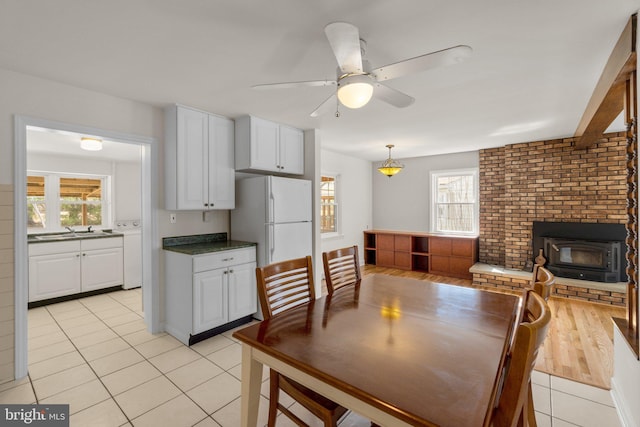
96, 355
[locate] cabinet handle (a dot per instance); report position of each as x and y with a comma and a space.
230, 271
206, 204
78, 256
84, 254
225, 272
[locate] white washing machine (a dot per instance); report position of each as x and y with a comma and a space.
132, 251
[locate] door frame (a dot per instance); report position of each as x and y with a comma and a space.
150, 251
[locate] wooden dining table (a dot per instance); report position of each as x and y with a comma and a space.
398, 351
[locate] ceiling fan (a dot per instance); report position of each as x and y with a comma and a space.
357, 82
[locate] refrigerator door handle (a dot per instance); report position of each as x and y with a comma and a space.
271, 208
272, 243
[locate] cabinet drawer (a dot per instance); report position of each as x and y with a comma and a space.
106, 243
223, 259
54, 248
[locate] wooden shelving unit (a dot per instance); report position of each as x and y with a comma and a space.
429, 253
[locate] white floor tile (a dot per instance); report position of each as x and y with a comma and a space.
129, 377
228, 357
46, 340
50, 351
93, 338
116, 361
541, 398
44, 329
130, 327
19, 394
174, 359
543, 420
80, 397
216, 393
193, 374
229, 415
122, 319
104, 348
177, 412
140, 336
55, 364
104, 414
207, 422
64, 380
147, 396
158, 346
582, 412
212, 344
582, 390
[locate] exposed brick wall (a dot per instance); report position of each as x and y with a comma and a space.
546, 181
492, 206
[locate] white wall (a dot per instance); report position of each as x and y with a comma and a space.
44, 99
625, 383
403, 202
355, 214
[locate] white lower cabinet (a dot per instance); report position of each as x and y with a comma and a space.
209, 290
59, 269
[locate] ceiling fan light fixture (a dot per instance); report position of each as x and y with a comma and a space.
90, 144
390, 167
355, 91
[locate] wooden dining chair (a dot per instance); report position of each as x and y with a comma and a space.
515, 402
283, 286
341, 267
543, 281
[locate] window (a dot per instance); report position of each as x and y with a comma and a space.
455, 201
55, 201
328, 204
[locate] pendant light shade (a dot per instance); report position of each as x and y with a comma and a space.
355, 91
390, 167
90, 144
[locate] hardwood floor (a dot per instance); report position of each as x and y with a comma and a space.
579, 345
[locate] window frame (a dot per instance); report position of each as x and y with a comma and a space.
53, 203
434, 175
336, 204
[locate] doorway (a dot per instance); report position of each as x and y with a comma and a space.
148, 158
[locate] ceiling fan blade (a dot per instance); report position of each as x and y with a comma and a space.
449, 56
325, 106
344, 39
392, 96
289, 85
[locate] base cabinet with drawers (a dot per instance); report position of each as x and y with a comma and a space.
430, 253
59, 269
208, 291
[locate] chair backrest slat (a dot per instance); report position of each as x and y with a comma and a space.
341, 267
285, 285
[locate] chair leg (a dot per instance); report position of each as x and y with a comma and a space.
274, 391
531, 413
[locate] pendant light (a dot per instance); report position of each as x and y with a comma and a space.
390, 167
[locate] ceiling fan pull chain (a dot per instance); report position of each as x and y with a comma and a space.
337, 108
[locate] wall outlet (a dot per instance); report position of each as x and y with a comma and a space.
172, 218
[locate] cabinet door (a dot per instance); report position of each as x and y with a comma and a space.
221, 192
265, 137
291, 150
242, 291
191, 162
54, 275
209, 299
102, 268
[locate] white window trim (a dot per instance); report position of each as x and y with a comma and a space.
434, 192
52, 199
338, 204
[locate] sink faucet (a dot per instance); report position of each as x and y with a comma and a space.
89, 230
71, 230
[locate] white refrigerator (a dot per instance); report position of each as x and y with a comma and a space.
274, 212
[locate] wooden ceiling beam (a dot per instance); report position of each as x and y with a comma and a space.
607, 100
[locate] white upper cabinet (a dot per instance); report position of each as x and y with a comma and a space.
199, 160
262, 145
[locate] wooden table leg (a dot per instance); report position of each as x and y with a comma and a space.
251, 381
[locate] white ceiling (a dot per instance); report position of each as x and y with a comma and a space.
534, 66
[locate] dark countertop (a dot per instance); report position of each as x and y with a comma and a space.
202, 244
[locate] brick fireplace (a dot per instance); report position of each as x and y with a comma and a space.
547, 181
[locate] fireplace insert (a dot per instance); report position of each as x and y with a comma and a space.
598, 261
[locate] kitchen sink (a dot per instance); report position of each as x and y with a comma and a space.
72, 236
